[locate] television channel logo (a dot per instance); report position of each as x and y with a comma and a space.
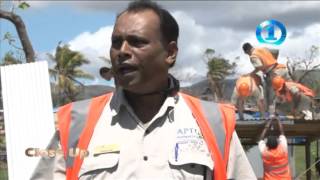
271, 32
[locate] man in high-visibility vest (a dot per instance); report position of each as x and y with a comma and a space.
248, 86
146, 129
274, 154
265, 60
299, 95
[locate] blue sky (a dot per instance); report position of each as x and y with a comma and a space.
220, 25
49, 25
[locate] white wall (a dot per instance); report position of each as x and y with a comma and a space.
28, 114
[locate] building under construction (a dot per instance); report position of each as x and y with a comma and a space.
299, 132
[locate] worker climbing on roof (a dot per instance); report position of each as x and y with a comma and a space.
299, 95
248, 86
274, 154
265, 60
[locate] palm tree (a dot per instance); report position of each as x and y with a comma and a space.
66, 73
218, 69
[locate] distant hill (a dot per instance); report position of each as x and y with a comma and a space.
312, 75
87, 92
94, 90
202, 90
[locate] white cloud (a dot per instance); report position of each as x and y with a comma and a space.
196, 38
297, 47
223, 26
99, 40
94, 45
241, 15
193, 41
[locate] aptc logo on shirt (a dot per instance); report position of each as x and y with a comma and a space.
271, 32
189, 140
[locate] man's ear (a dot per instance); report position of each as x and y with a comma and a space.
106, 73
172, 50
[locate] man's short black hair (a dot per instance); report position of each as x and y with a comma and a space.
246, 47
168, 25
272, 142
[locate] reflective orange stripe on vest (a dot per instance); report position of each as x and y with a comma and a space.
64, 119
270, 168
276, 164
305, 90
216, 134
219, 151
279, 66
265, 56
95, 109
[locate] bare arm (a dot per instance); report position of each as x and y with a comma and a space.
266, 127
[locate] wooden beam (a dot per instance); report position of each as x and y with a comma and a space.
293, 128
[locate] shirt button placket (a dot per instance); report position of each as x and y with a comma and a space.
147, 132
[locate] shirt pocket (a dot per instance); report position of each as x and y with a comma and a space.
102, 165
193, 166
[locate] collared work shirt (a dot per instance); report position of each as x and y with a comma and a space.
283, 72
300, 104
170, 146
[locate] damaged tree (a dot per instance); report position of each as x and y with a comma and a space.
218, 69
308, 64
21, 30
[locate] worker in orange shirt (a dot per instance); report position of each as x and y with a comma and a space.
248, 86
265, 60
299, 95
274, 154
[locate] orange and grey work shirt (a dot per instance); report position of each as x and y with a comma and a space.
170, 146
304, 103
283, 72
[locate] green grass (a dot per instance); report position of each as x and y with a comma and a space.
3, 165
300, 161
3, 174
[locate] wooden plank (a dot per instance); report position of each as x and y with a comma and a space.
293, 128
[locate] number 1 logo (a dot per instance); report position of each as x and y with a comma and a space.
269, 27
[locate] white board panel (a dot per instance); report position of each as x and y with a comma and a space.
28, 114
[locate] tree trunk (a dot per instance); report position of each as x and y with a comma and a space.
215, 89
290, 71
22, 32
